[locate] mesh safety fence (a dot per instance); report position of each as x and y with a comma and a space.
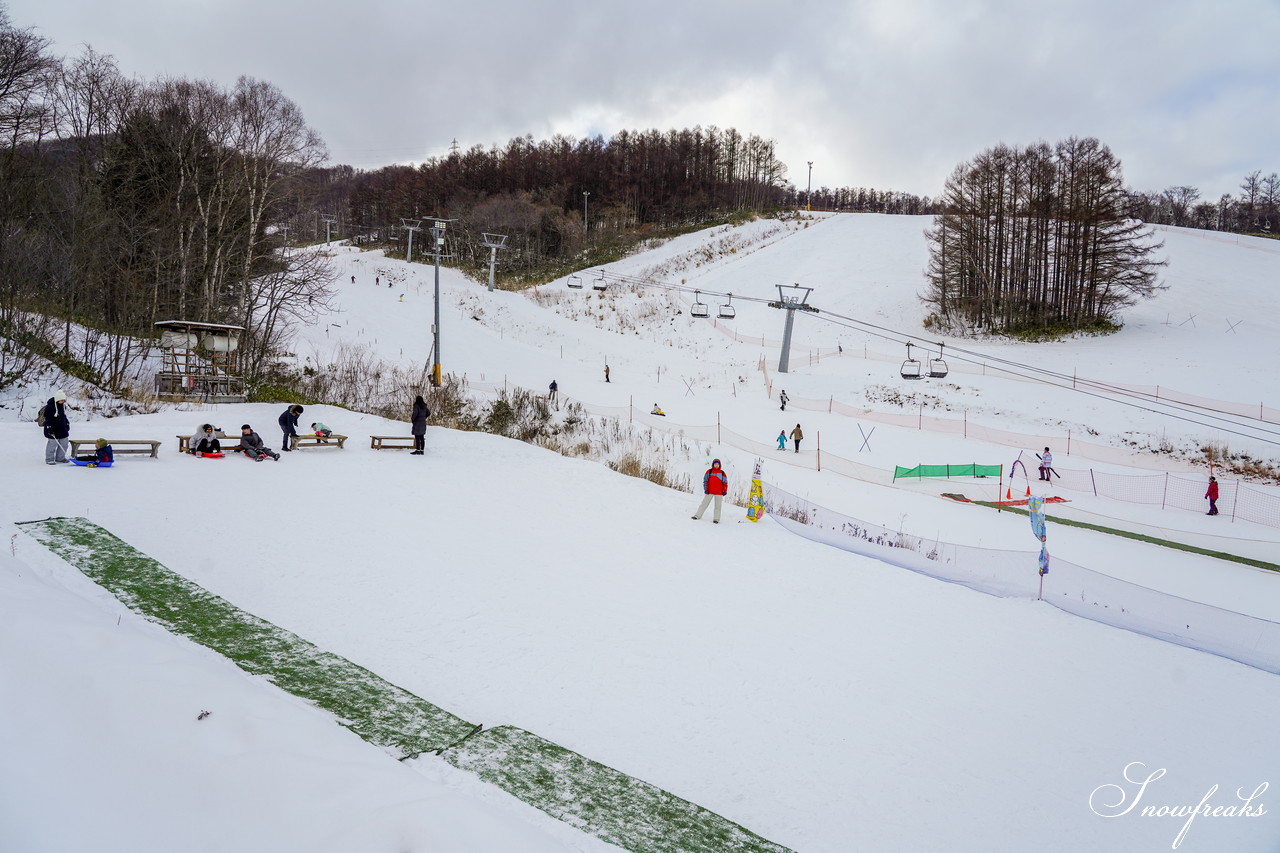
1237, 500
1068, 587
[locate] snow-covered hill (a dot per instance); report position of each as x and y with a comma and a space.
824, 700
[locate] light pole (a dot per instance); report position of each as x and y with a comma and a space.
808, 195
437, 231
584, 212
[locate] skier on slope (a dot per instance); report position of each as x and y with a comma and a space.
1046, 464
715, 485
784, 399
782, 439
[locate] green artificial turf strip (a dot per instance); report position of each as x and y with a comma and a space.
608, 803
596, 799
376, 710
1221, 555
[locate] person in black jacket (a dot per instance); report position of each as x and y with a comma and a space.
289, 424
57, 428
419, 421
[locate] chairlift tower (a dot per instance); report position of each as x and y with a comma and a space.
438, 229
410, 225
329, 219
791, 302
493, 242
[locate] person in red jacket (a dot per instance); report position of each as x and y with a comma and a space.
715, 484
1212, 495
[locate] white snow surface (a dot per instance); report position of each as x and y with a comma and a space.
825, 700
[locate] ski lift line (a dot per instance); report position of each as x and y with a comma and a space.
986, 360
1201, 411
681, 288
1114, 399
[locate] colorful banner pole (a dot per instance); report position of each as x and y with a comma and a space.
1035, 509
755, 505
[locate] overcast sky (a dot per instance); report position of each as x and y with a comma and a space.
890, 94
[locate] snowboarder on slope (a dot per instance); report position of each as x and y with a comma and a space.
785, 399
715, 485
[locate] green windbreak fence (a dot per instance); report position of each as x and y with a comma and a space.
972, 469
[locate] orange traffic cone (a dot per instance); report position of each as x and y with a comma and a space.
1028, 490
1008, 494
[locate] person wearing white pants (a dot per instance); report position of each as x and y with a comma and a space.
715, 485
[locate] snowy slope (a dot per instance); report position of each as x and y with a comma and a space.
825, 700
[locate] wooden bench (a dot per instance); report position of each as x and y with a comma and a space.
312, 440
391, 442
123, 445
225, 442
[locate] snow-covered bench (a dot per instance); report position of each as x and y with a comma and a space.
119, 445
310, 440
229, 444
391, 442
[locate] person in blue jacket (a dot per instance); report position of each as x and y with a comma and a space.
289, 424
103, 454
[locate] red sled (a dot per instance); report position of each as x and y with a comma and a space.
211, 455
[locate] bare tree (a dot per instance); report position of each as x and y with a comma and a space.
1180, 200
1037, 239
295, 292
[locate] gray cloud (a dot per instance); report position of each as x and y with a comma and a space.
884, 93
